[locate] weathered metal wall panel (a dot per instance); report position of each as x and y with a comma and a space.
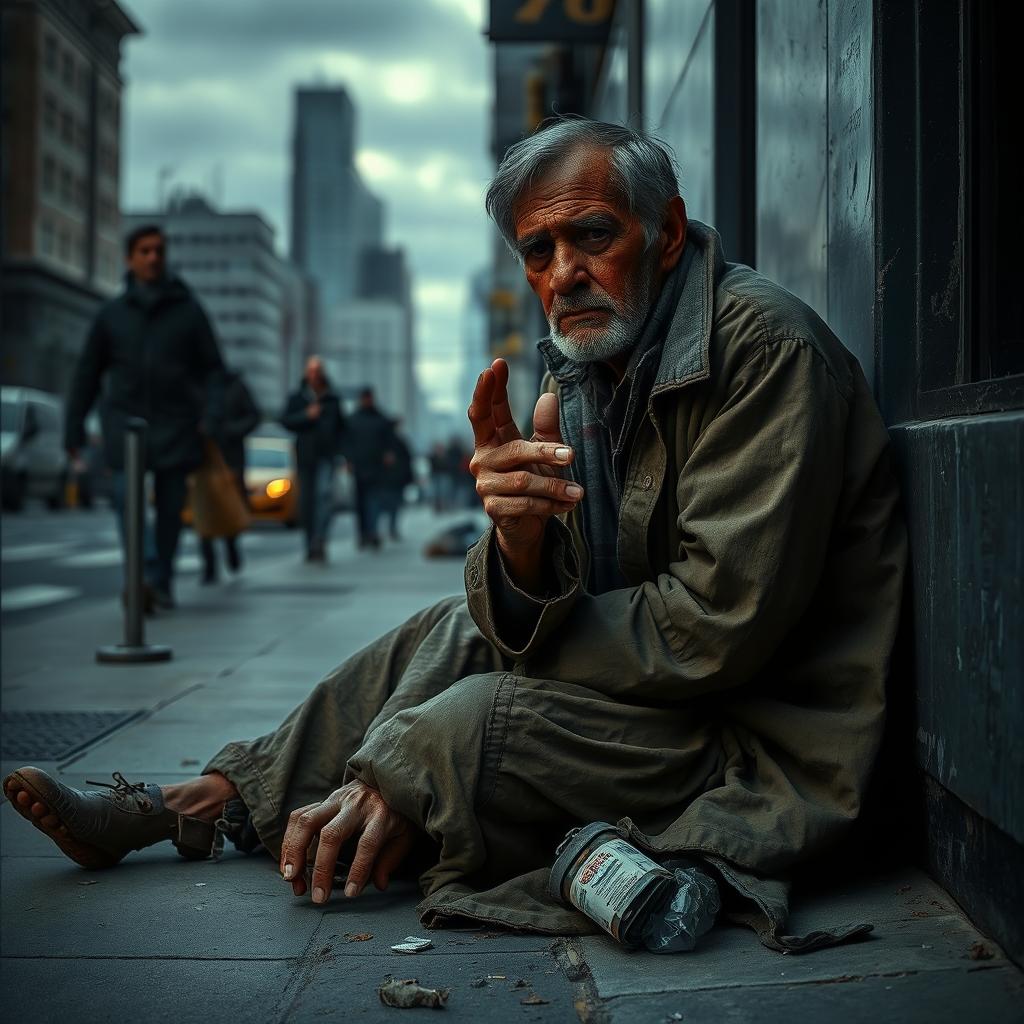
851, 221
963, 490
679, 94
792, 171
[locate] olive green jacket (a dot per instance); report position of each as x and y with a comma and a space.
760, 538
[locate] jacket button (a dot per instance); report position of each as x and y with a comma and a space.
647, 481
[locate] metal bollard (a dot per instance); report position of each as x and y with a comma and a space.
134, 649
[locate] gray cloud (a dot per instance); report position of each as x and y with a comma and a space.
211, 85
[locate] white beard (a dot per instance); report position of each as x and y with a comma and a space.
594, 344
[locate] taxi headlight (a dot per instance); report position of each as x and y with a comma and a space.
278, 488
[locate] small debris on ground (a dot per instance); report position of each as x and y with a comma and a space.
189, 762
674, 1016
406, 993
497, 977
90, 881
487, 935
358, 937
533, 1000
979, 951
520, 983
412, 944
199, 885
478, 983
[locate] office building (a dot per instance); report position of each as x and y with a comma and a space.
61, 248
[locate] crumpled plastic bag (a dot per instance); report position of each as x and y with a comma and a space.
687, 912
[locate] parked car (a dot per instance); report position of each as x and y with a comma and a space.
33, 463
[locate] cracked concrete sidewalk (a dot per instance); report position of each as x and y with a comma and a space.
163, 939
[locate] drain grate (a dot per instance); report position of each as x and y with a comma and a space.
54, 735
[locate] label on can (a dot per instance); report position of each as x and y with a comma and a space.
611, 878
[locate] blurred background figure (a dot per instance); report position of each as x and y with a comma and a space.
152, 351
463, 487
396, 477
314, 413
369, 437
440, 478
241, 417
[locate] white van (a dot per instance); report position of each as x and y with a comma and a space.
32, 457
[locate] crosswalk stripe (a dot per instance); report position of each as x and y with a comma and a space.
101, 559
32, 552
18, 599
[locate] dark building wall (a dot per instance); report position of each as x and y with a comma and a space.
866, 205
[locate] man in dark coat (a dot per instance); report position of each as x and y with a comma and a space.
155, 346
241, 417
369, 438
397, 476
314, 413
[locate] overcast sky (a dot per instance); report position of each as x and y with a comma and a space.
209, 85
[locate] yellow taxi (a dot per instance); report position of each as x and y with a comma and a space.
271, 480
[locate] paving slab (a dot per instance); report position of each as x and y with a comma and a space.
981, 997
104, 991
482, 986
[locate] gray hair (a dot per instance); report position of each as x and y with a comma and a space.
642, 171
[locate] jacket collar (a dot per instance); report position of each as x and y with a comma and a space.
684, 353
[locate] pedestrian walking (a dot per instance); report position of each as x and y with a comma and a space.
153, 353
396, 477
368, 439
314, 413
241, 417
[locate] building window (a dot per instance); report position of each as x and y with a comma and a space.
996, 205
64, 244
68, 68
50, 52
47, 234
50, 114
83, 80
67, 127
49, 174
65, 186
82, 133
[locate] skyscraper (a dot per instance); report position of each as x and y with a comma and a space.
334, 215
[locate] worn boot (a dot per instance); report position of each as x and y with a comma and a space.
97, 829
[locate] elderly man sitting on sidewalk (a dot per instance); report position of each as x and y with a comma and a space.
682, 613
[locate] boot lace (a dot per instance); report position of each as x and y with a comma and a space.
121, 786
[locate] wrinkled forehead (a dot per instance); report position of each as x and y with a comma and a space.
580, 182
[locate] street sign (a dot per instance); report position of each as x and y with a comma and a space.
550, 21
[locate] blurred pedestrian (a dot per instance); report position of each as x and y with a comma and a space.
440, 477
396, 477
152, 351
368, 438
314, 413
241, 417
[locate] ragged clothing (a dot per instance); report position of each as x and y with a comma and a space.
728, 700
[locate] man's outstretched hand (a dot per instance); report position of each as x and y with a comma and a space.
385, 837
518, 479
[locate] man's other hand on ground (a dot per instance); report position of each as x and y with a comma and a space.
385, 837
517, 479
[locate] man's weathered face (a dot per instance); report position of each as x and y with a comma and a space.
148, 258
586, 258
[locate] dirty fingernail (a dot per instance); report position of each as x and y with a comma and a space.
288, 871
351, 890
574, 490
562, 454
318, 895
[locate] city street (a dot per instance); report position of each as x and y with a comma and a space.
52, 561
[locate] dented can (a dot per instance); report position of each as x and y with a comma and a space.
607, 878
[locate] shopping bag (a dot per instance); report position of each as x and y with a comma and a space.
217, 508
